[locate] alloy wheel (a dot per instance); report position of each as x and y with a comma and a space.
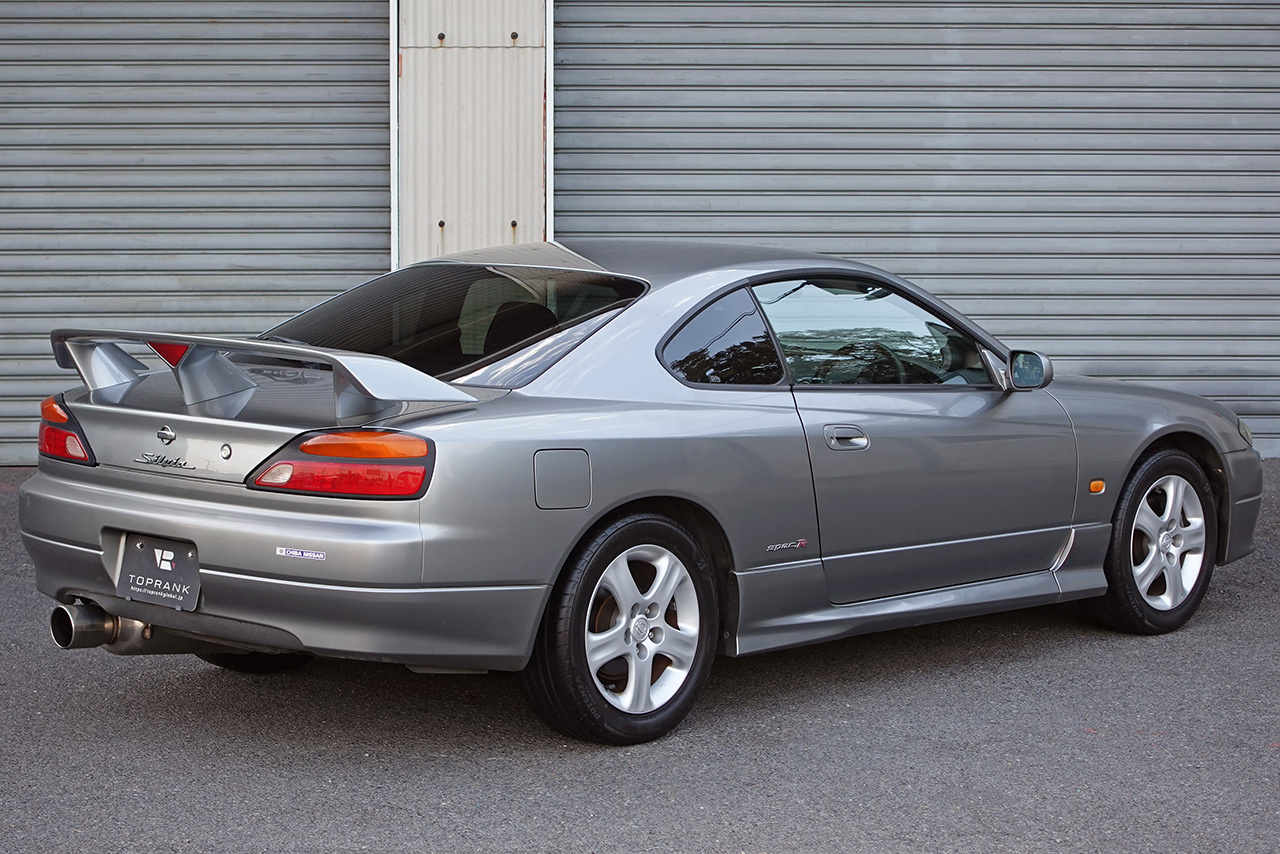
642, 629
1168, 542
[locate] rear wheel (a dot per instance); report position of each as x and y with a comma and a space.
256, 662
629, 634
1163, 546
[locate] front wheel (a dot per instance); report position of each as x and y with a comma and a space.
1163, 546
629, 634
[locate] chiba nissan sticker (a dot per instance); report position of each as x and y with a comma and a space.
305, 554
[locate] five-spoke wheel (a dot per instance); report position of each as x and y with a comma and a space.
629, 635
1168, 542
1162, 546
642, 629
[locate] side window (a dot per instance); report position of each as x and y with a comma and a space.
725, 343
844, 332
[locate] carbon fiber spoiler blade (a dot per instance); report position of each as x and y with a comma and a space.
362, 384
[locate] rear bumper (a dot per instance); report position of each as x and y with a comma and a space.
366, 600
482, 628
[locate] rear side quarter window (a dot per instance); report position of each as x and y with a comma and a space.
725, 343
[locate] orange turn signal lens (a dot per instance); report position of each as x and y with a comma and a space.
366, 445
51, 412
1097, 487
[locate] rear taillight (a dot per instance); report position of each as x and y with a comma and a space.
350, 464
60, 435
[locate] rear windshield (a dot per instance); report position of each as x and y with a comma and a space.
477, 325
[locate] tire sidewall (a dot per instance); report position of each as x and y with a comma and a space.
583, 577
1119, 560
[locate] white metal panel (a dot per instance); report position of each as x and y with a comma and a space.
1100, 181
472, 23
472, 140
193, 167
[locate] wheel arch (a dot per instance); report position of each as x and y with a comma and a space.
701, 524
1209, 459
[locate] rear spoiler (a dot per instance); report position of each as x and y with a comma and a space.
362, 384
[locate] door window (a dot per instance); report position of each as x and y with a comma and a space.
845, 332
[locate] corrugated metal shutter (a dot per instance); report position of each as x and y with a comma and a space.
191, 166
1098, 180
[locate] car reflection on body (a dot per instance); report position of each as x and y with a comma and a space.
602, 464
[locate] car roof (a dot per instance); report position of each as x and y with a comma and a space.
658, 262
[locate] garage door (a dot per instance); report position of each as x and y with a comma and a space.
188, 166
1099, 181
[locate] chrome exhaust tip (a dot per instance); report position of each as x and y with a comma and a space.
85, 625
82, 626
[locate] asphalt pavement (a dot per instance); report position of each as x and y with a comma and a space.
1021, 732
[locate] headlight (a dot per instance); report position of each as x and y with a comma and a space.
1244, 431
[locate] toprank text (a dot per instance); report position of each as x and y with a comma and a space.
159, 585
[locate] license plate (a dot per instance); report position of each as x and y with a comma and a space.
164, 572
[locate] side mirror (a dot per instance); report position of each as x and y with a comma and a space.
1029, 370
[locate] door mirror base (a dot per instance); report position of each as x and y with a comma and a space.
996, 369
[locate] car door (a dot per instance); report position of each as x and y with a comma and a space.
926, 474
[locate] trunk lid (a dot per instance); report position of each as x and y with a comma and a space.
224, 406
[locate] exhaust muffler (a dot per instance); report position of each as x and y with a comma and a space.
85, 625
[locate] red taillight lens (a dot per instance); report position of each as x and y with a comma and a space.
351, 463
57, 442
60, 435
345, 478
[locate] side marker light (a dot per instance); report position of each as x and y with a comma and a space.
1097, 487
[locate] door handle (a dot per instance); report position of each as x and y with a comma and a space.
845, 437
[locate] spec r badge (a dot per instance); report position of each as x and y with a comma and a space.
794, 544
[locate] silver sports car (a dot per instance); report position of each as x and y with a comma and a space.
601, 464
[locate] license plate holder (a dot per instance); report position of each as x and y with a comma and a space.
159, 571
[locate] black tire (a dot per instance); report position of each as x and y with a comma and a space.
1166, 600
613, 704
256, 662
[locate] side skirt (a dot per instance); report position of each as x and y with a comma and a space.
788, 605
